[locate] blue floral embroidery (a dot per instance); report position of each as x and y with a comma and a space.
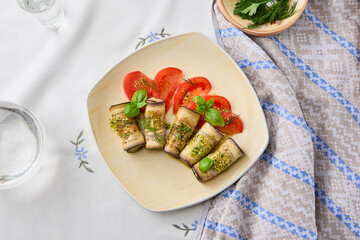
195, 224
81, 153
152, 37
186, 228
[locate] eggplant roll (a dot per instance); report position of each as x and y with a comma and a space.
201, 144
155, 131
181, 130
227, 153
129, 131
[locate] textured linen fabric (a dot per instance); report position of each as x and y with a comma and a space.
306, 185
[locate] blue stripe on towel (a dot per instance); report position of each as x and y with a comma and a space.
258, 64
268, 216
235, 32
288, 169
337, 211
308, 179
319, 143
230, 32
219, 227
319, 81
337, 38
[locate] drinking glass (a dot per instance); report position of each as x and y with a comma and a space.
49, 12
21, 143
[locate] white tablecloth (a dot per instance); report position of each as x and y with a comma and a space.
51, 73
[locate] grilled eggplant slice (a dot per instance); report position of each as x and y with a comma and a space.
154, 125
129, 131
227, 153
201, 144
181, 130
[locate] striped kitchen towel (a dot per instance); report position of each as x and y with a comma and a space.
306, 185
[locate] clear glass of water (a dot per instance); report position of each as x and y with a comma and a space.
21, 143
49, 12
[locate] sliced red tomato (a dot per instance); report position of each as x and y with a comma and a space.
135, 81
167, 81
196, 86
233, 124
220, 103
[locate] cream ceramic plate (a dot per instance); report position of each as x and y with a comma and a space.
226, 7
156, 180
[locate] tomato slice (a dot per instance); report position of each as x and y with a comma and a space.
233, 124
167, 81
196, 86
220, 103
134, 81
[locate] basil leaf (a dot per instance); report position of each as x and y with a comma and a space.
201, 109
214, 117
210, 103
141, 104
131, 110
139, 96
199, 101
205, 164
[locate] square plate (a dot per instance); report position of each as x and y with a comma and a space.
156, 180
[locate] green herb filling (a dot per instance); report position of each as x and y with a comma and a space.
221, 161
182, 133
201, 146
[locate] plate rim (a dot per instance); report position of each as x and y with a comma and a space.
222, 189
254, 32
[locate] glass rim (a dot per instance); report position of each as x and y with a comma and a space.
21, 4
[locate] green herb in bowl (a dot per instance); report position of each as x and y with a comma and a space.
264, 11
